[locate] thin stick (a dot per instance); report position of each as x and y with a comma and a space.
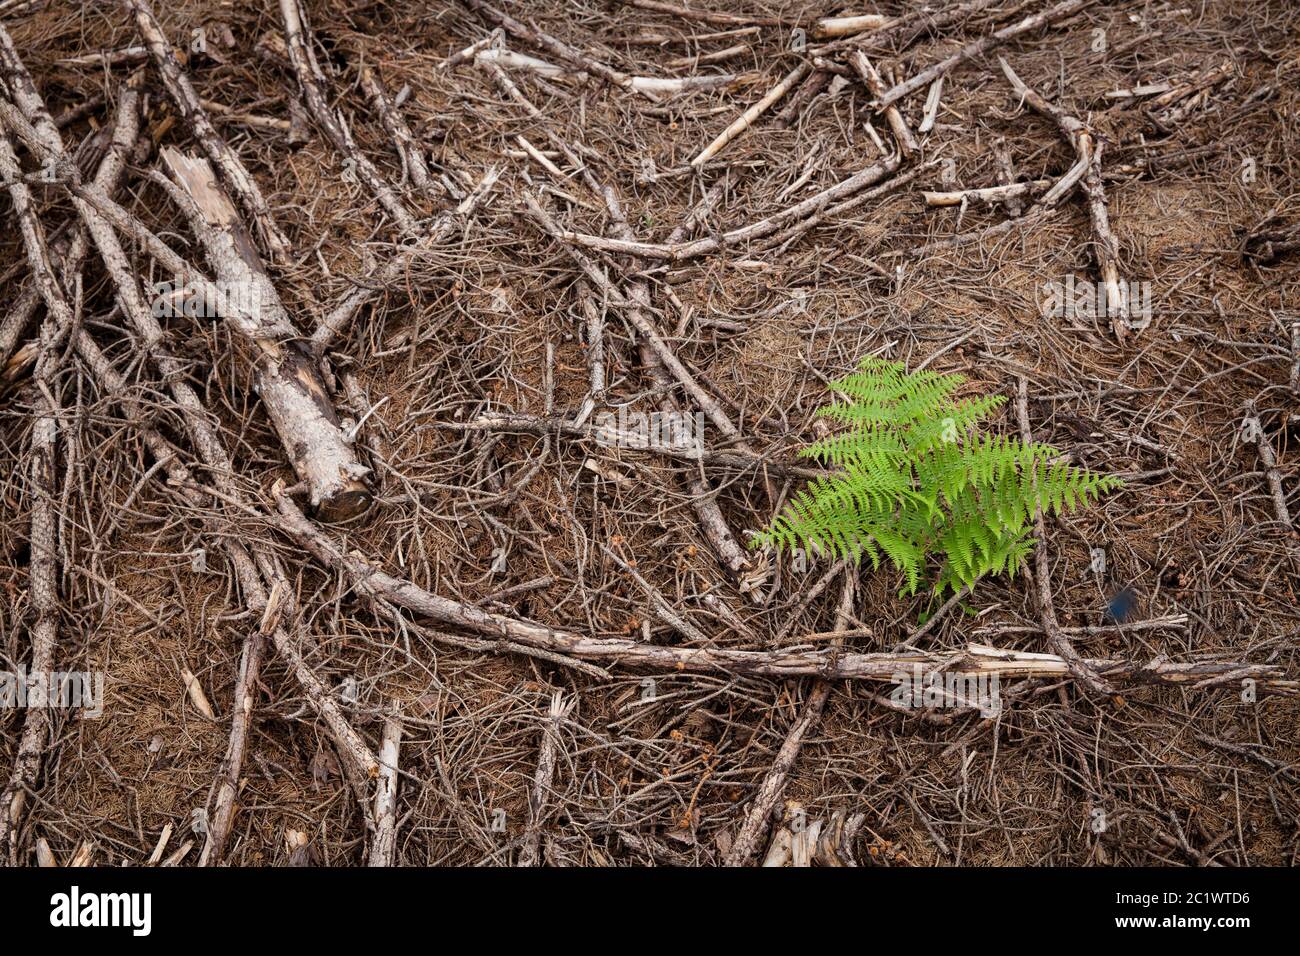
1087, 169
983, 45
227, 162
310, 81
747, 118
932, 101
403, 140
904, 30
703, 16
1254, 431
339, 317
645, 85
384, 847
875, 83
559, 709
676, 252
1056, 640
773, 785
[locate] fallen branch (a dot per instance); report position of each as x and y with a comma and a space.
901, 32
384, 847
1253, 429
1087, 168
812, 87
612, 437
923, 79
559, 710
310, 82
339, 317
403, 140
642, 84
831, 663
875, 84
661, 366
703, 16
773, 785
747, 118
288, 380
1006, 173
232, 169
357, 758
676, 252
848, 26
645, 85
989, 194
1056, 639
636, 311
43, 575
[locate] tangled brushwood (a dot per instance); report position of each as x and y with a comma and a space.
915, 477
392, 393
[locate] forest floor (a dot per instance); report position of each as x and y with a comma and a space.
550, 753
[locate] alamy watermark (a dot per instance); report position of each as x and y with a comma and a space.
222, 299
1128, 301
77, 690
681, 432
932, 689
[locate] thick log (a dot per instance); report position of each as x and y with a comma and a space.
288, 378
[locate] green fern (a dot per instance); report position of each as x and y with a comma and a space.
914, 477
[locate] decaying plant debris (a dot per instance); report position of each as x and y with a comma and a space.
327, 329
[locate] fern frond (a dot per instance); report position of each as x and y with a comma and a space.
914, 478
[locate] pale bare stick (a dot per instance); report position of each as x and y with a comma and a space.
310, 82
702, 16
559, 709
989, 194
875, 83
773, 785
849, 26
904, 30
289, 382
384, 846
932, 101
926, 77
232, 170
747, 118
511, 59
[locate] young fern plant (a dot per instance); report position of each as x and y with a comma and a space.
913, 477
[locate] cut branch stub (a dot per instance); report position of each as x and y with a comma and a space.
288, 378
